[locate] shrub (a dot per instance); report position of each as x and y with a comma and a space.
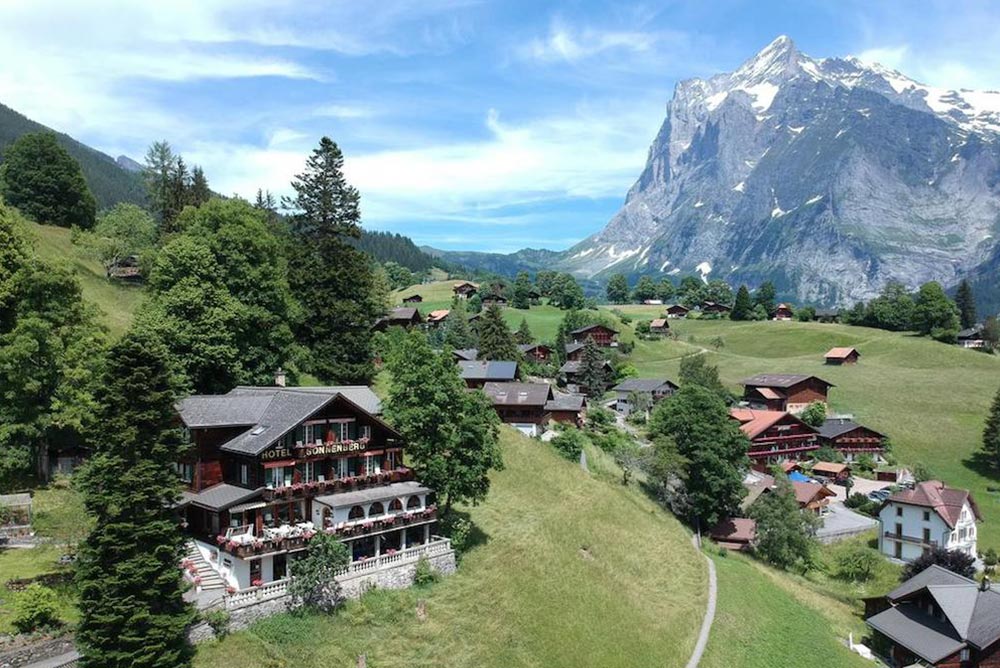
814, 415
857, 564
459, 530
953, 560
569, 443
35, 608
218, 620
424, 574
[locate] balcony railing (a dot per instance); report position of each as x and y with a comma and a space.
348, 484
388, 522
909, 539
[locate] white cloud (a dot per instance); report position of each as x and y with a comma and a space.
567, 44
891, 57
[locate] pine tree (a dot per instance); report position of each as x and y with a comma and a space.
199, 192
991, 434
133, 612
333, 280
39, 177
743, 306
523, 334
617, 289
457, 332
180, 186
593, 376
495, 339
966, 303
158, 175
522, 291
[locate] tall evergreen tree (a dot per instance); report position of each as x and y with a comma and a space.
593, 376
966, 303
765, 296
458, 333
452, 435
617, 289
158, 174
133, 614
199, 192
523, 334
180, 186
39, 177
991, 434
521, 297
495, 339
743, 306
333, 280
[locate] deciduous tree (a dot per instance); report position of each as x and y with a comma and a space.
784, 533
617, 289
695, 370
314, 584
644, 289
955, 561
521, 297
934, 314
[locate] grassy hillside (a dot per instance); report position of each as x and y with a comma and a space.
117, 303
929, 398
571, 571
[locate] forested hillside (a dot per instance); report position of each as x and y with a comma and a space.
107, 180
389, 247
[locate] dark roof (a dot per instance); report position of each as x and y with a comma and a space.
736, 529
467, 354
380, 493
565, 402
528, 347
932, 575
971, 333
518, 394
227, 410
834, 427
570, 367
594, 326
404, 313
677, 306
642, 385
946, 501
488, 370
927, 637
782, 380
218, 497
573, 347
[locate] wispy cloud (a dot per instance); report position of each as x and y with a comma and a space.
564, 43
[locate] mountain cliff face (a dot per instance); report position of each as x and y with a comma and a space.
828, 176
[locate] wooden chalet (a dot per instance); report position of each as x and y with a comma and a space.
937, 618
783, 312
574, 352
812, 496
465, 289
269, 467
737, 533
852, 439
714, 308
405, 317
494, 299
659, 326
834, 471
478, 373
413, 299
784, 391
537, 352
972, 337
651, 390
528, 407
827, 315
566, 408
571, 372
677, 311
437, 318
602, 335
790, 466
839, 356
775, 436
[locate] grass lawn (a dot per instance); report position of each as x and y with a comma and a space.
929, 398
116, 302
571, 571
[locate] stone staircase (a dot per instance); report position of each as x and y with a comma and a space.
210, 578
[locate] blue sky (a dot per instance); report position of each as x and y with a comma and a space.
466, 125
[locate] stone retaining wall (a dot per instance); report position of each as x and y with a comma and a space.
34, 651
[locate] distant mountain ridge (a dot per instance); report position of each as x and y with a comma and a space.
828, 176
108, 180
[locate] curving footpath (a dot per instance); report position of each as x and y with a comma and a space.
706, 623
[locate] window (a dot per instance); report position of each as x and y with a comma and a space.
376, 509
413, 503
366, 431
356, 513
964, 655
899, 529
899, 511
280, 476
305, 471
342, 467
314, 433
244, 474
395, 506
185, 471
372, 465
927, 516
392, 460
927, 535
347, 431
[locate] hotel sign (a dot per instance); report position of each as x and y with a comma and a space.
307, 451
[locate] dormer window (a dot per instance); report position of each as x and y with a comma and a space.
258, 430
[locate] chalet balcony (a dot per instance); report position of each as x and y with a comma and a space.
348, 484
910, 539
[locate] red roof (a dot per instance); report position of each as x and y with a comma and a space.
832, 468
658, 322
788, 466
735, 530
753, 422
841, 353
946, 501
806, 492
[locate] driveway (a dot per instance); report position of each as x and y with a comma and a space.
841, 522
861, 486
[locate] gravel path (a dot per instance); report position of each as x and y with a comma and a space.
706, 623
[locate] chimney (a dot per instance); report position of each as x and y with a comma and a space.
985, 584
279, 377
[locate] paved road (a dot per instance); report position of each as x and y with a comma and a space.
842, 522
706, 623
56, 661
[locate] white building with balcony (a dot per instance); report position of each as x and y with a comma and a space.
927, 516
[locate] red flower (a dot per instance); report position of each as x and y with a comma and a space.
256, 583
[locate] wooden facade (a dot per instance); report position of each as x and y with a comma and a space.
783, 312
775, 436
677, 311
600, 334
784, 392
839, 356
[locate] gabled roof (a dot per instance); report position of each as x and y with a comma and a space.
488, 370
565, 402
528, 347
925, 636
518, 394
463, 284
834, 427
643, 385
932, 575
404, 313
203, 411
946, 501
573, 347
438, 315
677, 307
658, 323
973, 332
754, 422
735, 529
830, 468
806, 492
574, 366
217, 497
840, 353
780, 380
467, 354
596, 325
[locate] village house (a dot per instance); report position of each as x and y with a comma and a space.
571, 371
659, 326
931, 514
574, 352
789, 467
972, 337
477, 373
827, 315
566, 408
782, 312
602, 335
937, 618
465, 289
272, 466
437, 318
494, 299
812, 496
775, 436
851, 439
648, 391
528, 407
714, 308
784, 391
737, 533
405, 317
413, 299
537, 352
833, 471
757, 483
677, 311
838, 356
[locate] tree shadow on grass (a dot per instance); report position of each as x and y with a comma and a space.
474, 536
980, 463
